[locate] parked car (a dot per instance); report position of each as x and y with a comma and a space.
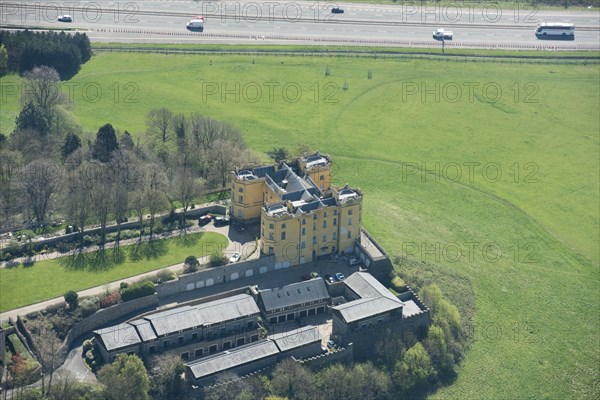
337, 10
235, 257
314, 275
331, 344
221, 221
353, 261
329, 278
339, 276
306, 277
205, 219
65, 18
441, 34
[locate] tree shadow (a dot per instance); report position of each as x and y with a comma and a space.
75, 261
28, 262
148, 250
118, 254
100, 261
187, 240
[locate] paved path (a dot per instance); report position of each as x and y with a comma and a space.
242, 242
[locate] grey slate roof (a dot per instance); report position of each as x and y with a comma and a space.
118, 336
374, 298
297, 338
294, 294
144, 329
177, 319
365, 285
232, 358
226, 309
365, 308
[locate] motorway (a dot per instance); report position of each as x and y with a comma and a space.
302, 22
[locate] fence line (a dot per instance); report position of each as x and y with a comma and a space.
358, 54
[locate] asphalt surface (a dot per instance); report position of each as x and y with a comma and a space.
303, 22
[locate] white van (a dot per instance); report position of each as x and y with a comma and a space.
196, 25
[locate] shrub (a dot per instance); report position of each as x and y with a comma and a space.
398, 284
110, 299
88, 307
54, 308
71, 297
137, 290
164, 276
87, 346
217, 260
191, 265
123, 285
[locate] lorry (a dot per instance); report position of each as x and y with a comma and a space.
441, 34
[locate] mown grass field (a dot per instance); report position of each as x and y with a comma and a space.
20, 286
521, 219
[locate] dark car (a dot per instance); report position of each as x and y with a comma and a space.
205, 219
221, 221
306, 277
337, 10
329, 278
65, 18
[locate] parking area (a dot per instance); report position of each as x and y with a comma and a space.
241, 241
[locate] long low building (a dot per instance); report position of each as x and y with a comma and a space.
304, 342
194, 330
294, 301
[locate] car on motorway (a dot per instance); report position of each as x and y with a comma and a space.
235, 257
353, 261
314, 275
221, 221
339, 276
65, 18
441, 34
205, 219
196, 24
337, 10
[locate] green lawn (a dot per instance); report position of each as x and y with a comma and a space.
21, 286
528, 237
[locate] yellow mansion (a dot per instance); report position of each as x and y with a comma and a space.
302, 217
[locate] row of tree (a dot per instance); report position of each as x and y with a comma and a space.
61, 51
47, 170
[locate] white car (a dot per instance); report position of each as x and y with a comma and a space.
196, 24
235, 257
65, 18
441, 34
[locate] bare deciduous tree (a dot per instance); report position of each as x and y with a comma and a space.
42, 89
39, 183
10, 164
49, 350
222, 158
160, 120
